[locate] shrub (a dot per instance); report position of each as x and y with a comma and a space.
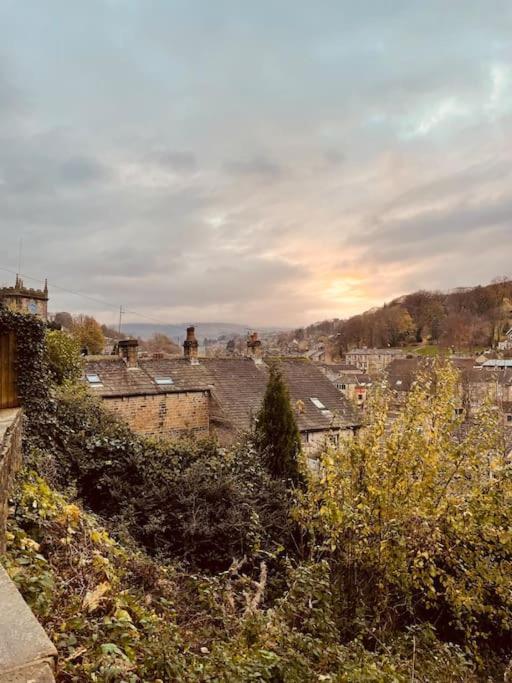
415, 521
185, 500
62, 356
276, 434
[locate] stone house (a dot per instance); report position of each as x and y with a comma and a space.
372, 360
25, 299
169, 396
506, 344
349, 380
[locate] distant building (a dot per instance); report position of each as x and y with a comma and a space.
373, 360
173, 397
477, 384
506, 344
349, 380
25, 299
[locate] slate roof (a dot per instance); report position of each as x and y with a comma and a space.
236, 385
372, 352
339, 368
401, 373
359, 378
305, 381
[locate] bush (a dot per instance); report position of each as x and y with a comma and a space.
185, 500
62, 356
415, 521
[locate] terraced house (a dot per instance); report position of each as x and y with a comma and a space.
170, 396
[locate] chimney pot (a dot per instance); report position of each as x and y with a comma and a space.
129, 351
191, 345
254, 349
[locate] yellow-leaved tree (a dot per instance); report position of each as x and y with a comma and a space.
415, 519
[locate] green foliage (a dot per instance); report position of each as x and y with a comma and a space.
32, 378
276, 434
63, 356
415, 520
115, 615
407, 526
185, 500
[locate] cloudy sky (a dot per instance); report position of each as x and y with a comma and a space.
275, 162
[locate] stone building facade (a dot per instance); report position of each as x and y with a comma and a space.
26, 299
349, 381
172, 414
172, 397
373, 360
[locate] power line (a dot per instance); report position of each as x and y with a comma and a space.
103, 302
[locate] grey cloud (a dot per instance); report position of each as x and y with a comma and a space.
258, 166
181, 162
80, 169
238, 162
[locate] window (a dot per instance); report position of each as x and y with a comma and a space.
316, 402
459, 411
94, 380
326, 413
509, 418
163, 381
359, 397
343, 386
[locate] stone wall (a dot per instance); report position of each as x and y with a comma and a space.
10, 461
26, 653
172, 415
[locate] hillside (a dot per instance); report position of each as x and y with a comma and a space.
203, 330
470, 317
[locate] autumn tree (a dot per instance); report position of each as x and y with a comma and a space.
415, 517
160, 343
87, 331
276, 434
62, 352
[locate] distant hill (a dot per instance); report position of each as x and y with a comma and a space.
466, 317
208, 330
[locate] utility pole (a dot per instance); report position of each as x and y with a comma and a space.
120, 318
20, 253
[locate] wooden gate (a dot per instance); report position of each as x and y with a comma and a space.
8, 394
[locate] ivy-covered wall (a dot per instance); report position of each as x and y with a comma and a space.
10, 461
32, 380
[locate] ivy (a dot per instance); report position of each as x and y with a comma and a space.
32, 376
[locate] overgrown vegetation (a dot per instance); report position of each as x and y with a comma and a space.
195, 564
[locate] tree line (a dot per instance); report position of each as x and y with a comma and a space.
463, 318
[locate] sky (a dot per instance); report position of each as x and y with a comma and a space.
276, 162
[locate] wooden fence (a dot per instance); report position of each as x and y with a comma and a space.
8, 394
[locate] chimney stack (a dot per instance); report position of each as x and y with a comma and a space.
254, 349
128, 350
190, 345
